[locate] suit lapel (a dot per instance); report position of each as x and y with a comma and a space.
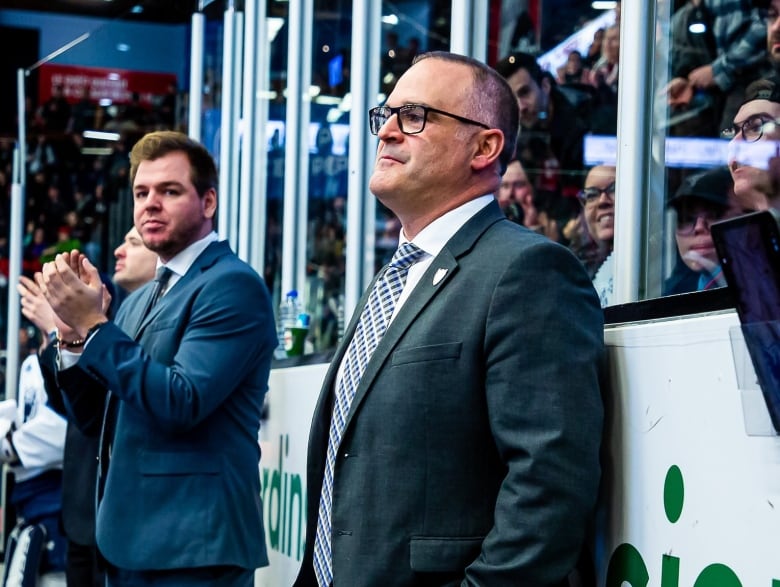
204, 261
441, 271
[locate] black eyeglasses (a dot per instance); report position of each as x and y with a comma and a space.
752, 129
770, 16
591, 195
411, 118
687, 221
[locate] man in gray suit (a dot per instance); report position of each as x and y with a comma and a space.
466, 451
180, 377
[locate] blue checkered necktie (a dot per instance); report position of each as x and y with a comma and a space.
370, 329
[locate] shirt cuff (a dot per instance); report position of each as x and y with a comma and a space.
67, 359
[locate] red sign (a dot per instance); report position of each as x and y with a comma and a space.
117, 85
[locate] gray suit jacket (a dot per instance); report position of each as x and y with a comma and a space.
182, 489
471, 450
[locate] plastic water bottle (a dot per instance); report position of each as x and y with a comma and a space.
289, 310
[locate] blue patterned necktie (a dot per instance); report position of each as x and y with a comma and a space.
370, 329
161, 278
160, 281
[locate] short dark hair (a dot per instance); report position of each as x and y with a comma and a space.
492, 100
203, 170
513, 63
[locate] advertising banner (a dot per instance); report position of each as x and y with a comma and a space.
117, 85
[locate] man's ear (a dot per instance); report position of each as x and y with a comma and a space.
490, 143
546, 86
210, 203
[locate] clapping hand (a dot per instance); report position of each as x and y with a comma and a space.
34, 305
72, 286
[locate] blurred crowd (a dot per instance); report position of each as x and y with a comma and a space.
73, 182
723, 70
77, 194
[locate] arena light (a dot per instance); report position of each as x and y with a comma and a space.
98, 151
101, 135
603, 4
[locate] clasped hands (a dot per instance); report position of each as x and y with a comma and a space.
679, 91
73, 289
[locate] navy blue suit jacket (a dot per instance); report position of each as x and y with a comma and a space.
182, 489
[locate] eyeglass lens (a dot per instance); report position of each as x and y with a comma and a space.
592, 194
411, 118
752, 129
686, 223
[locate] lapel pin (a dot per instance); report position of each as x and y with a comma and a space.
439, 275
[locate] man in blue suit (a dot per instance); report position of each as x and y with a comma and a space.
176, 383
467, 452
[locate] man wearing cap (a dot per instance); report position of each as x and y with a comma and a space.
754, 152
702, 199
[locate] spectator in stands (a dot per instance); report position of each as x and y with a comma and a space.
42, 157
33, 250
53, 212
56, 111
692, 46
65, 243
550, 146
78, 231
82, 114
594, 51
598, 203
166, 113
739, 34
134, 113
573, 71
772, 19
512, 181
516, 197
604, 77
702, 199
754, 154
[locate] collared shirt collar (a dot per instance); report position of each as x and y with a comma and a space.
181, 262
433, 237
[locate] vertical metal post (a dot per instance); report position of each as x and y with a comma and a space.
258, 189
637, 38
296, 177
361, 205
248, 135
469, 28
228, 143
16, 224
195, 107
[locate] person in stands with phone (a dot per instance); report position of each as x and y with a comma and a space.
702, 199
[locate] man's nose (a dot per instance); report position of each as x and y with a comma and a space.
390, 128
152, 199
